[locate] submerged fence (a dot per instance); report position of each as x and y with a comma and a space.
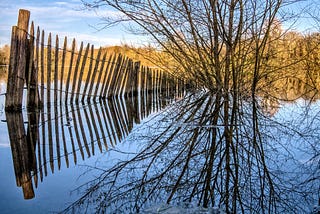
59, 137
56, 74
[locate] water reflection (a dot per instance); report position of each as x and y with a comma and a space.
192, 158
23, 153
263, 159
62, 134
288, 89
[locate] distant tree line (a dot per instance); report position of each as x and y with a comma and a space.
4, 55
4, 58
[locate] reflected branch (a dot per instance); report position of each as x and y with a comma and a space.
191, 157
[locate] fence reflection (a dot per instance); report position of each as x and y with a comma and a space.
23, 153
66, 133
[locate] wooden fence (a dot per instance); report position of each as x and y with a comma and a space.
51, 78
54, 74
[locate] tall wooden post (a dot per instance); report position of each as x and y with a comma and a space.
32, 71
18, 62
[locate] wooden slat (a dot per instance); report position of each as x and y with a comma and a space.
94, 75
100, 74
75, 74
70, 69
56, 70
32, 84
62, 67
128, 79
109, 77
105, 77
111, 91
138, 80
37, 66
120, 75
49, 70
149, 80
84, 60
88, 75
42, 71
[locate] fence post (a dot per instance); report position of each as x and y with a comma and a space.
18, 62
32, 71
135, 86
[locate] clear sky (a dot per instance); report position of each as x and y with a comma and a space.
65, 18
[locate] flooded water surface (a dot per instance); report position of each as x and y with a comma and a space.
159, 154
46, 155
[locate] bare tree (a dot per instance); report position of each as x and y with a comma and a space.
216, 147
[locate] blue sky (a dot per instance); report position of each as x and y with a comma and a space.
68, 18
65, 18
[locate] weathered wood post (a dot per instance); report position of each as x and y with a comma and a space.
49, 69
33, 100
135, 81
56, 71
18, 62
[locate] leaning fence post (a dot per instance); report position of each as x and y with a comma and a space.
18, 62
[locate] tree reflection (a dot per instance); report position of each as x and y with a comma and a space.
260, 158
191, 156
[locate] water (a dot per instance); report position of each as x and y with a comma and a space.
134, 155
65, 140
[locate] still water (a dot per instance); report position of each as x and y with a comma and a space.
146, 155
40, 173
